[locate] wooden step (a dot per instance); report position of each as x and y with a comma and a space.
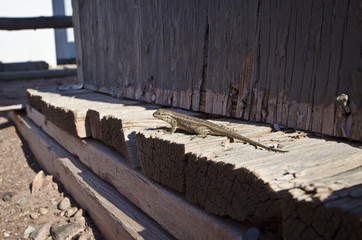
182, 219
115, 216
84, 113
275, 190
283, 192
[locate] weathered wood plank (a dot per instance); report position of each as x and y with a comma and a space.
69, 108
12, 108
24, 66
114, 215
78, 41
117, 128
250, 184
170, 210
56, 73
283, 62
14, 92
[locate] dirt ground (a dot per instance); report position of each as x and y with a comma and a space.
21, 211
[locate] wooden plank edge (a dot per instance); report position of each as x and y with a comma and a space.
78, 40
113, 214
24, 75
12, 107
182, 219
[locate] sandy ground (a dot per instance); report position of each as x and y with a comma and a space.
19, 208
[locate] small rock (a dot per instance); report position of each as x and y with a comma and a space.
6, 234
35, 215
66, 231
252, 234
21, 201
7, 196
43, 210
79, 213
87, 235
49, 178
28, 231
24, 211
37, 182
79, 220
53, 201
64, 204
41, 233
71, 212
13, 217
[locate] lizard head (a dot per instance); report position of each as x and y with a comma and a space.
162, 114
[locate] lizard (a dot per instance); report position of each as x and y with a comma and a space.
203, 127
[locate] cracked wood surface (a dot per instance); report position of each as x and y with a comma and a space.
273, 190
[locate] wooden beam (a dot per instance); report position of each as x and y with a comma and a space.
35, 23
170, 210
296, 193
78, 40
23, 66
23, 75
115, 216
12, 107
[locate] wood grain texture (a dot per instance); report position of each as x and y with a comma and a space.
78, 40
256, 186
170, 210
283, 61
115, 216
69, 108
117, 127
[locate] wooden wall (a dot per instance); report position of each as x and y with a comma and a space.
277, 61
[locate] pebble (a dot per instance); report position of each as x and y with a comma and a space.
71, 212
43, 210
24, 211
53, 201
64, 204
21, 201
7, 196
79, 213
13, 217
41, 233
28, 231
79, 220
37, 182
49, 178
6, 234
86, 235
35, 215
66, 231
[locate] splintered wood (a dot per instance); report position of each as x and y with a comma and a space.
312, 191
